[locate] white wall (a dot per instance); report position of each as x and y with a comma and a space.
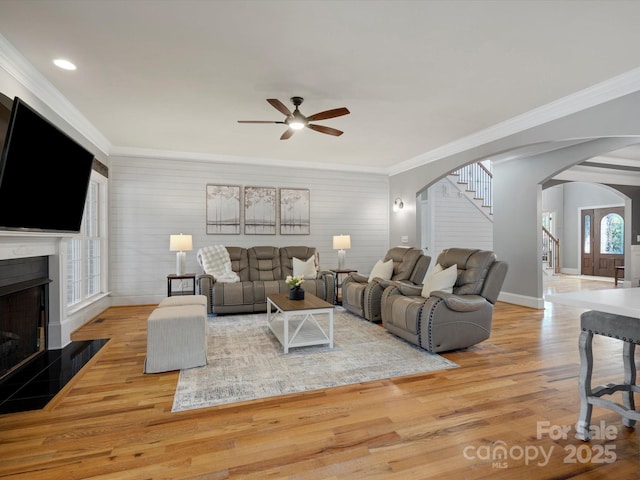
457, 221
152, 198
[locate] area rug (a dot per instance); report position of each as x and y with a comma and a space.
246, 361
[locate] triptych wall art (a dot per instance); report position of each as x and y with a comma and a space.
225, 215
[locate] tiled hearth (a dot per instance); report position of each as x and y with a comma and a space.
34, 385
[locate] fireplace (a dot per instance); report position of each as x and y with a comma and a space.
37, 357
24, 311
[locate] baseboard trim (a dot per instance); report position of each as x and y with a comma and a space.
525, 301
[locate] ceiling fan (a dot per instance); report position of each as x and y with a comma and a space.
297, 121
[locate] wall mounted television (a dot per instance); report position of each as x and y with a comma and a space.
44, 175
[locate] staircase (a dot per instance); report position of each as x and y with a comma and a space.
550, 253
475, 181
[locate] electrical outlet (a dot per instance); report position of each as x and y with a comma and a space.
404, 239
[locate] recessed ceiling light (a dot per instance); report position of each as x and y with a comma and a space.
64, 64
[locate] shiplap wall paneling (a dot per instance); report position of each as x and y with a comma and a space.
457, 222
151, 199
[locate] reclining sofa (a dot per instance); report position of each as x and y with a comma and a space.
262, 271
362, 297
448, 320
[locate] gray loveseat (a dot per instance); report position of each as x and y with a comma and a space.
448, 321
262, 271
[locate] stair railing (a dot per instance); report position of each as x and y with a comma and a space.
550, 250
479, 181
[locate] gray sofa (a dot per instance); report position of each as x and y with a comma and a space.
448, 321
262, 271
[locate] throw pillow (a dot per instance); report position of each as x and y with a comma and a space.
306, 268
382, 269
440, 279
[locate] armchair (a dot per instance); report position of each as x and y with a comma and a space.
448, 321
362, 297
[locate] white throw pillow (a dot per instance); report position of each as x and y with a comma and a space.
382, 270
305, 268
440, 279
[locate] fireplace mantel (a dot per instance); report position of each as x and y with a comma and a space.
23, 245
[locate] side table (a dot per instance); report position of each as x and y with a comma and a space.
337, 272
189, 278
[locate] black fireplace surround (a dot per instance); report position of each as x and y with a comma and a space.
24, 313
31, 374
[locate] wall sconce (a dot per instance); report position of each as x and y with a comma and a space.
180, 244
398, 205
341, 243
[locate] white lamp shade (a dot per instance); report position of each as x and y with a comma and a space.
341, 242
180, 243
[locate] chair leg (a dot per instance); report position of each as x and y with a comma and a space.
629, 379
584, 385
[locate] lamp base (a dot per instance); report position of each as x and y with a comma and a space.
341, 259
181, 258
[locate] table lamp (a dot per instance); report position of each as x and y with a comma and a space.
341, 243
180, 244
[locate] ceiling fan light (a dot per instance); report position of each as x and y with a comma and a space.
296, 125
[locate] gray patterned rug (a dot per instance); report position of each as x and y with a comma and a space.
246, 361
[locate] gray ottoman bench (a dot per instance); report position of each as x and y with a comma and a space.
177, 334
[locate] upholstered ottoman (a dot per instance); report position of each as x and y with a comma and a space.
180, 300
176, 338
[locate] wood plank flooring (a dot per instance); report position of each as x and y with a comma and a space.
515, 391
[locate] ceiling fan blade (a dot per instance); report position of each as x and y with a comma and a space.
278, 105
287, 133
323, 129
336, 112
258, 121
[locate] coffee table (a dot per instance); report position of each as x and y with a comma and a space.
293, 322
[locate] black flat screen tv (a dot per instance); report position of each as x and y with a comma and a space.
44, 175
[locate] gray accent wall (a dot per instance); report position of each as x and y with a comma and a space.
517, 182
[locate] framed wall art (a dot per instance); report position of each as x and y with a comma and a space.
294, 211
259, 211
223, 210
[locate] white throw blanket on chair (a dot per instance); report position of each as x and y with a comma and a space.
215, 261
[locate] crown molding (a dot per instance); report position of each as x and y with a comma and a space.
594, 173
19, 68
134, 152
624, 84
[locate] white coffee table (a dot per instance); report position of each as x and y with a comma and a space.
293, 321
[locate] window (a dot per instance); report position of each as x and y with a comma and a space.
84, 252
612, 234
587, 234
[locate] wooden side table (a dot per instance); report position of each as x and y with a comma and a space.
337, 272
189, 277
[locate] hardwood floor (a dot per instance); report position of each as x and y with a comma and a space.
515, 390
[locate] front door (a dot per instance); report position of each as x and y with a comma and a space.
602, 241
587, 242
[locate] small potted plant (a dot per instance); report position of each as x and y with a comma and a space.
295, 283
